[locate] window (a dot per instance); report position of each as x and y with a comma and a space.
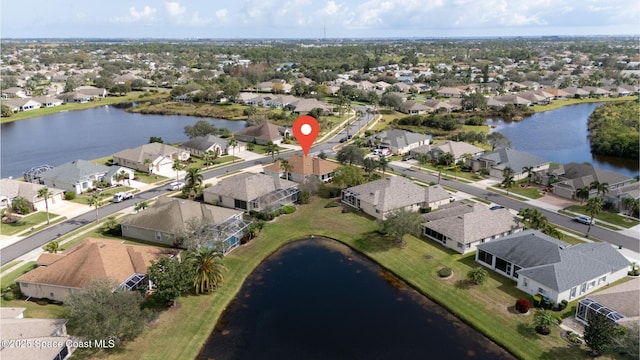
460, 245
573, 292
158, 235
485, 257
591, 285
602, 279
525, 282
583, 288
540, 291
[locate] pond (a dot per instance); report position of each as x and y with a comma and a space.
317, 299
561, 136
87, 134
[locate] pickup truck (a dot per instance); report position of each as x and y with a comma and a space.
121, 196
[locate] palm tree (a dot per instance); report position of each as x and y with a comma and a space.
630, 205
543, 321
208, 269
477, 275
272, 149
552, 231
359, 141
94, 200
599, 187
148, 162
582, 194
177, 167
369, 165
208, 157
52, 247
383, 164
251, 146
508, 180
193, 179
121, 176
529, 171
286, 167
233, 143
45, 194
594, 207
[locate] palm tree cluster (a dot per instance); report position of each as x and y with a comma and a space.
208, 269
508, 179
534, 219
193, 183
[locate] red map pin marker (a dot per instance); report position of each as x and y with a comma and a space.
306, 130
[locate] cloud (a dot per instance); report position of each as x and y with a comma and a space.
144, 15
332, 8
174, 9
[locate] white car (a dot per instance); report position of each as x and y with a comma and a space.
176, 185
584, 220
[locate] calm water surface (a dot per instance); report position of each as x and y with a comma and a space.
317, 299
561, 136
87, 134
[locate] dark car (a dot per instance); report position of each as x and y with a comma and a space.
407, 157
344, 139
496, 207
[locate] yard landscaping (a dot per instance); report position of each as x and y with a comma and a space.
606, 216
486, 307
27, 222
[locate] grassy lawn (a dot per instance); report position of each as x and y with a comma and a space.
262, 150
109, 100
486, 307
9, 265
556, 104
609, 217
199, 162
11, 277
26, 223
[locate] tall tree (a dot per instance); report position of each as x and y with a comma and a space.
350, 154
233, 143
348, 176
496, 139
171, 279
508, 180
177, 167
200, 128
529, 171
98, 312
600, 187
193, 180
94, 201
582, 194
400, 223
285, 166
272, 149
599, 333
383, 164
594, 207
208, 268
45, 194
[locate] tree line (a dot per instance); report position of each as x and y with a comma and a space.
614, 130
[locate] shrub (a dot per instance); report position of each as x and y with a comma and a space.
425, 209
523, 305
8, 296
69, 195
563, 305
331, 204
288, 209
445, 272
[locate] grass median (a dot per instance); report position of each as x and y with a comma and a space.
486, 307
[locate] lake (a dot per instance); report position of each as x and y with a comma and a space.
87, 134
561, 136
318, 299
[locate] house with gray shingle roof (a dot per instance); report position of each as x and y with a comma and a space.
168, 217
544, 265
153, 157
618, 303
498, 160
575, 176
380, 198
77, 176
261, 134
462, 226
252, 192
459, 149
398, 141
201, 144
11, 189
413, 108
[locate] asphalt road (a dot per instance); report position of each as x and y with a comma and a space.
40, 238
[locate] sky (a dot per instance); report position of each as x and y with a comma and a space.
224, 19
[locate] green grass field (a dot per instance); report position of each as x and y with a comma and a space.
487, 307
30, 221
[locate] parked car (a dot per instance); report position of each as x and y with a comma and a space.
584, 220
176, 185
121, 196
407, 157
496, 207
344, 139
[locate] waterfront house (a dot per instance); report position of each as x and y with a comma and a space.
78, 176
199, 145
498, 160
11, 189
252, 192
60, 274
573, 176
398, 141
458, 149
153, 157
381, 197
166, 220
543, 265
462, 226
262, 134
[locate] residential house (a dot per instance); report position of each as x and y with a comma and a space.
413, 108
576, 92
303, 168
459, 149
92, 91
167, 219
596, 91
304, 106
74, 96
14, 92
77, 176
63, 273
543, 265
201, 144
48, 101
574, 176
516, 100
617, 303
557, 93
110, 176
261, 134
462, 226
17, 329
252, 192
498, 160
442, 106
11, 189
617, 195
382, 197
450, 92
22, 104
152, 157
398, 141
